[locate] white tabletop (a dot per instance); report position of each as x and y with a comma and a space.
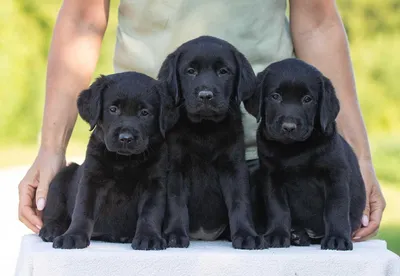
204, 258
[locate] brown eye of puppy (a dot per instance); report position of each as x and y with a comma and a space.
307, 99
223, 71
191, 71
113, 109
276, 97
144, 113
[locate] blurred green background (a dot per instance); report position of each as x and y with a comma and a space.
374, 32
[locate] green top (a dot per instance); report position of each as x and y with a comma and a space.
149, 30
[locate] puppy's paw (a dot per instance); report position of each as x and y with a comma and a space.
175, 240
71, 241
51, 230
300, 238
336, 243
277, 240
248, 242
149, 243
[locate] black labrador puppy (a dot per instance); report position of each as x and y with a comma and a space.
208, 186
309, 181
118, 194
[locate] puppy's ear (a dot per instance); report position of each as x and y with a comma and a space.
169, 73
328, 104
169, 112
246, 78
90, 101
254, 105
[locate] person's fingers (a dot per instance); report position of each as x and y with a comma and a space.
41, 192
29, 214
29, 225
26, 190
28, 217
39, 214
366, 214
366, 172
27, 208
377, 209
366, 233
47, 173
367, 237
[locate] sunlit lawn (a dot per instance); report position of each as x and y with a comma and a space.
391, 233
386, 153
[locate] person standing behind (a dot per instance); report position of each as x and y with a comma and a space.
149, 30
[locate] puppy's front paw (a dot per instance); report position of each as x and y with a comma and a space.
149, 243
277, 240
51, 230
71, 241
300, 238
248, 242
336, 243
176, 240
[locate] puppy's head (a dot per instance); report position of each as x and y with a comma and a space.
125, 110
207, 74
293, 98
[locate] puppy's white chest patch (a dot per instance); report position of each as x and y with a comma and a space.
312, 234
209, 235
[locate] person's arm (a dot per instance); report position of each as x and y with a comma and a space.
73, 55
72, 59
320, 39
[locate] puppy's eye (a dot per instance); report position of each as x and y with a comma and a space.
223, 71
276, 97
191, 71
144, 113
113, 109
307, 99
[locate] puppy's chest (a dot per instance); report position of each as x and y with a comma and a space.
291, 161
129, 181
206, 147
208, 214
300, 181
202, 176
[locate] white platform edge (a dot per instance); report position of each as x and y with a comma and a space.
204, 258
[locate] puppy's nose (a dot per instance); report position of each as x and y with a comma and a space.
206, 95
125, 137
289, 127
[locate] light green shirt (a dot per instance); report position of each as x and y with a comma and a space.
149, 30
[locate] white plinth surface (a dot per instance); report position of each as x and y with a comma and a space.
369, 258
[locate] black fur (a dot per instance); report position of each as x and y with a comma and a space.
208, 189
118, 194
309, 182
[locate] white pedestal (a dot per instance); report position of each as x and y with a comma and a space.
204, 258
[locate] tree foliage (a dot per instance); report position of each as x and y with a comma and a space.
373, 28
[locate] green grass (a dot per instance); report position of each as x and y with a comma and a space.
372, 26
386, 157
391, 234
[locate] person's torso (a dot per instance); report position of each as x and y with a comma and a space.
149, 30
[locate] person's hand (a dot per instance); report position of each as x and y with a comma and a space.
34, 186
375, 204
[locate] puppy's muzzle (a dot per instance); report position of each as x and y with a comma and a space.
291, 128
288, 127
126, 138
205, 95
130, 142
